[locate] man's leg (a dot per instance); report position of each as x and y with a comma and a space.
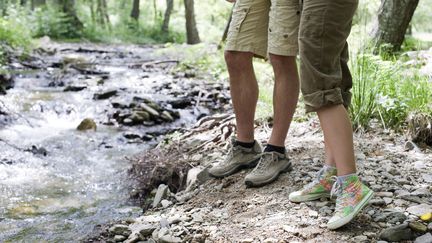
247, 37
285, 96
244, 92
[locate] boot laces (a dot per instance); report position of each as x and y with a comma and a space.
266, 160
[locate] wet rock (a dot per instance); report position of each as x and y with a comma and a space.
169, 239
391, 216
128, 122
418, 227
180, 103
397, 233
119, 238
160, 194
149, 109
37, 151
419, 210
87, 124
2, 90
131, 135
167, 116
427, 238
6, 81
72, 88
120, 229
105, 95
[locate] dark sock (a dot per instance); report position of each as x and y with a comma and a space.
245, 145
271, 148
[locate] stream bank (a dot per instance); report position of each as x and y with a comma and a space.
56, 181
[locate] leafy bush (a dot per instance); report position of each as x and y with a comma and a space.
387, 91
51, 22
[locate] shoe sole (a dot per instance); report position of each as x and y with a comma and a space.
348, 218
271, 179
307, 198
248, 165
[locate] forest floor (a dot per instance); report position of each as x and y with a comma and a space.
225, 210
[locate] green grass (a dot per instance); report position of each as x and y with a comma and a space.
386, 91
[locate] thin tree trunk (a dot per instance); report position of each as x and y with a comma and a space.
191, 28
394, 17
3, 7
105, 13
37, 3
135, 10
167, 16
68, 7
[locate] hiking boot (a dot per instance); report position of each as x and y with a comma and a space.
238, 158
268, 169
352, 197
318, 188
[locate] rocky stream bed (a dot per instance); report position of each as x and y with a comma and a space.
70, 115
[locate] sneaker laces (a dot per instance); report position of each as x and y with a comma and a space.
337, 187
316, 179
266, 160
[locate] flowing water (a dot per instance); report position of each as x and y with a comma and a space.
82, 180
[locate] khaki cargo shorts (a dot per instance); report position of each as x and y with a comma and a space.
324, 28
265, 26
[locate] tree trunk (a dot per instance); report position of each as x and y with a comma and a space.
3, 7
37, 3
394, 17
168, 11
135, 10
68, 7
102, 16
191, 28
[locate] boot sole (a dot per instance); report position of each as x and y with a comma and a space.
236, 169
287, 168
348, 219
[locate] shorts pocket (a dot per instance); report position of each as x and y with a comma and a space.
238, 17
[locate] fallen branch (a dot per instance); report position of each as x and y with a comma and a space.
149, 64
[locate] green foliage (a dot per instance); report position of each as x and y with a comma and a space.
49, 21
387, 91
14, 33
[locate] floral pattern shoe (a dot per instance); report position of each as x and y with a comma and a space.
318, 188
352, 197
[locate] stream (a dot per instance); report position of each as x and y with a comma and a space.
58, 183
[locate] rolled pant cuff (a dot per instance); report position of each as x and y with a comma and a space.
324, 98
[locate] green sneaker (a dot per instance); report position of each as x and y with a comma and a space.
238, 158
352, 197
268, 169
318, 188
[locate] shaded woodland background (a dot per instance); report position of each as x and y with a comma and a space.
390, 41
